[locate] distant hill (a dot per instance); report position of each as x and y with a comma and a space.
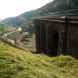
20, 20
25, 19
5, 28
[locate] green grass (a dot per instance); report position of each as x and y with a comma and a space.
15, 63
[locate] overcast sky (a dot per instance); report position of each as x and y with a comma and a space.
10, 8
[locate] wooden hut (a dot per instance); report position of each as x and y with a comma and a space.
57, 33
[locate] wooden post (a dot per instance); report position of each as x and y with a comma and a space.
46, 37
37, 31
60, 43
67, 21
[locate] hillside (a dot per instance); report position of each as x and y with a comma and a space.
15, 63
25, 20
21, 20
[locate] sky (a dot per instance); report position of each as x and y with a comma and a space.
10, 8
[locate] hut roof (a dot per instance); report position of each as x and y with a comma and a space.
61, 8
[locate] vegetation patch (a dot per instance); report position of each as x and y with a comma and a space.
15, 63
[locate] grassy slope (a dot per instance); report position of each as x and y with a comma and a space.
15, 63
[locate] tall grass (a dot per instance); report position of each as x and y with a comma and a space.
15, 63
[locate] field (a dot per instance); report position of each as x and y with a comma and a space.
16, 63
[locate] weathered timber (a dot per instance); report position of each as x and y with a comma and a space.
57, 35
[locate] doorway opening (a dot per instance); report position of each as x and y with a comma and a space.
53, 43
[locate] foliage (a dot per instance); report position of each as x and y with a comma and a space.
15, 63
4, 27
